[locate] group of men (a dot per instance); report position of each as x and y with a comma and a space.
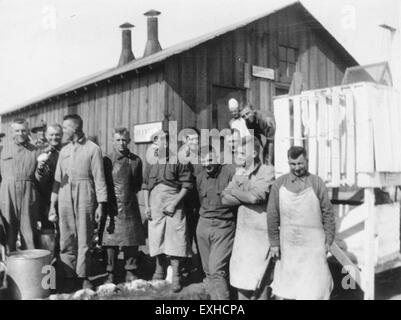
237, 215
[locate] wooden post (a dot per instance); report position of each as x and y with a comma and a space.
368, 270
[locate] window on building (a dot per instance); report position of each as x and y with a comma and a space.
287, 63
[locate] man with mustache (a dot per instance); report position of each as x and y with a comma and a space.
301, 226
18, 192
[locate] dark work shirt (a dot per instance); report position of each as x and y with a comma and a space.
45, 175
210, 189
263, 126
174, 175
297, 184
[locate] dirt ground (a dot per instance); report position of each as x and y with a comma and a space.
388, 286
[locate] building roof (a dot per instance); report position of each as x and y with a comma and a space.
177, 49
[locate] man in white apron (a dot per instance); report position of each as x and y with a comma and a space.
301, 230
249, 190
165, 185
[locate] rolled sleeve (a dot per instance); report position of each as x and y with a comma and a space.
273, 216
185, 176
261, 187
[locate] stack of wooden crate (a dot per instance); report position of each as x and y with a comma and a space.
350, 238
351, 133
352, 136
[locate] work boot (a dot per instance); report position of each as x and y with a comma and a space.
176, 283
130, 276
86, 284
110, 278
160, 271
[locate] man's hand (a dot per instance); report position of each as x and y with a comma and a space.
148, 213
275, 253
170, 208
38, 225
100, 212
41, 164
53, 215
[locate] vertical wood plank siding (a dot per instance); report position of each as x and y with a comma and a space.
181, 87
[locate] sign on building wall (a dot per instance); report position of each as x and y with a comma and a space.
143, 132
261, 72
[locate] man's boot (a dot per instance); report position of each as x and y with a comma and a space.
175, 265
160, 271
86, 284
110, 278
130, 275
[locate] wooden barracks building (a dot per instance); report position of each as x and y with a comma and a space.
191, 82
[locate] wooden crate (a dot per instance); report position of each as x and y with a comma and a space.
351, 133
351, 238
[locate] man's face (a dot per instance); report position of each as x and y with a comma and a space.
121, 142
234, 111
209, 162
245, 156
19, 132
192, 141
298, 166
69, 129
233, 108
54, 136
40, 134
248, 115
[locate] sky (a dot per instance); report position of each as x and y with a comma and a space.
47, 43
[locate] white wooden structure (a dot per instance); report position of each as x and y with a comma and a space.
352, 134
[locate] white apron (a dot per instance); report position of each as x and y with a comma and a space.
251, 245
302, 273
167, 235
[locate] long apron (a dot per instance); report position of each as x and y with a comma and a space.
128, 228
302, 273
167, 235
251, 245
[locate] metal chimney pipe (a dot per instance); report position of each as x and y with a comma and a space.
126, 52
152, 44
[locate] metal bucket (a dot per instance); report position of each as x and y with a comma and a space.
25, 274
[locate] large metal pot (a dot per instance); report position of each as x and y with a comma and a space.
26, 274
